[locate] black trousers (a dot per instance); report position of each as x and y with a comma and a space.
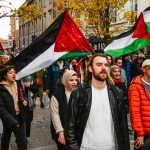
60, 146
20, 134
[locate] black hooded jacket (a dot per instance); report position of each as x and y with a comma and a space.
7, 109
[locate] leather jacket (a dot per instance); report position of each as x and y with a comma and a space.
78, 112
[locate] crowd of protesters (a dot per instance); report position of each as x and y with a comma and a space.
89, 99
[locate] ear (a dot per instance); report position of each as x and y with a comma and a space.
90, 69
143, 69
5, 76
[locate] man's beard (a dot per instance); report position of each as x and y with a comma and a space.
98, 77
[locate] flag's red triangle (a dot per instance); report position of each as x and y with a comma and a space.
70, 38
1, 47
140, 30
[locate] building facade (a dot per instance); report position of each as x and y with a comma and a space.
7, 43
28, 31
14, 31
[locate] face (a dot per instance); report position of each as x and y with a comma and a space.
119, 63
74, 62
11, 76
72, 83
109, 59
6, 52
127, 57
146, 71
99, 68
88, 57
4, 59
116, 74
140, 60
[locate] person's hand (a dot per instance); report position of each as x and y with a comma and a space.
25, 103
27, 84
111, 81
17, 125
47, 91
61, 138
139, 142
141, 55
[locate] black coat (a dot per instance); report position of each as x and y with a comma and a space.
7, 109
78, 112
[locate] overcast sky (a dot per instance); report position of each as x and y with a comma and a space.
4, 22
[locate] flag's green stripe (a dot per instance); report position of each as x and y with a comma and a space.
136, 45
148, 26
75, 54
1, 52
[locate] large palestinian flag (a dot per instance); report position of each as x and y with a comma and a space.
134, 39
62, 40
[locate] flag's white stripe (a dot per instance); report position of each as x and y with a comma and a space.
146, 15
42, 61
120, 43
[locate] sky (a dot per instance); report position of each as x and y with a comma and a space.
5, 22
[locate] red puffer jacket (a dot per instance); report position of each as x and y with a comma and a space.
139, 107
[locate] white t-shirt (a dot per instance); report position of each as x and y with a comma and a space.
99, 130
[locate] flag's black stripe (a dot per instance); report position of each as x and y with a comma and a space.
131, 30
40, 45
147, 9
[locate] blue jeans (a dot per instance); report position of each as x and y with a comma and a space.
20, 134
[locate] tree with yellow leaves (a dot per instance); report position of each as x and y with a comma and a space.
96, 14
29, 12
26, 12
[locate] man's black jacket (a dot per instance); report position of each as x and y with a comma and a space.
78, 112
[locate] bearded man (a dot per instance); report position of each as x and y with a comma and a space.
96, 112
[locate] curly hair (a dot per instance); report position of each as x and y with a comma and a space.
5, 70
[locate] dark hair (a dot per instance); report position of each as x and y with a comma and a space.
4, 71
118, 58
111, 58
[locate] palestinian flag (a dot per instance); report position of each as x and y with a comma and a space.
62, 40
1, 49
134, 39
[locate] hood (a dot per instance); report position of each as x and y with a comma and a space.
66, 77
137, 80
5, 83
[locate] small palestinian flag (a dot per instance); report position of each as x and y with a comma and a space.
1, 49
134, 39
62, 40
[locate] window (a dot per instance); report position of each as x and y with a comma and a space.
134, 5
114, 16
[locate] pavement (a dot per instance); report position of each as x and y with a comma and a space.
40, 138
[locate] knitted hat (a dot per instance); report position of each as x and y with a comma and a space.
146, 63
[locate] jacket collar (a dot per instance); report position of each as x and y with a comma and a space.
88, 84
